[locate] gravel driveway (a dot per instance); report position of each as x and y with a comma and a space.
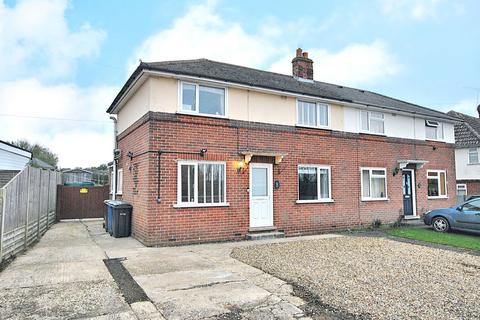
375, 277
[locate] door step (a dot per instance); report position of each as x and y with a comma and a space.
265, 235
261, 229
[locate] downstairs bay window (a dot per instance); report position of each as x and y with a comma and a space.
201, 183
437, 184
374, 184
314, 183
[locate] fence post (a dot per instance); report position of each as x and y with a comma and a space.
48, 201
28, 206
2, 217
39, 203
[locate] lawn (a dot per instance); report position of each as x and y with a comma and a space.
452, 239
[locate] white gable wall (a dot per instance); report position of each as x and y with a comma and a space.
464, 170
12, 158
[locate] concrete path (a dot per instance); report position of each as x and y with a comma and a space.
64, 277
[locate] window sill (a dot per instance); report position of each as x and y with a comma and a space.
315, 201
200, 205
379, 199
313, 127
473, 164
373, 133
435, 140
435, 198
201, 114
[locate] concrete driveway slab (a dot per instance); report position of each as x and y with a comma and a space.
31, 275
62, 301
52, 254
183, 280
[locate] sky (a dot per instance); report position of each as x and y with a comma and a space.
62, 62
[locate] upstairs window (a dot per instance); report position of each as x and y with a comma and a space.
374, 184
433, 130
473, 156
437, 183
372, 122
312, 114
202, 99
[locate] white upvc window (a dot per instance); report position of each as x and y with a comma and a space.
433, 130
119, 181
462, 189
372, 122
313, 114
437, 184
314, 183
473, 156
202, 99
373, 184
201, 183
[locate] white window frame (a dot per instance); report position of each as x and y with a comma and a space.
319, 200
469, 152
464, 186
197, 112
437, 125
369, 122
195, 203
317, 106
438, 182
119, 181
371, 169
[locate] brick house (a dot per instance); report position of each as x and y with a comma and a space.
209, 151
467, 145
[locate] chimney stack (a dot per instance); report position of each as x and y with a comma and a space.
478, 110
302, 66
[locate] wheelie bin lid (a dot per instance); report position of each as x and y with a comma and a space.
117, 204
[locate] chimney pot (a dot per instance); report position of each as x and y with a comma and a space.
302, 66
478, 110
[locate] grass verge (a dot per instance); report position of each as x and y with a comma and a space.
459, 240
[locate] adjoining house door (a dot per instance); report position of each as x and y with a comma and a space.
261, 195
408, 181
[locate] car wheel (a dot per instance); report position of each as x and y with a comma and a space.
440, 224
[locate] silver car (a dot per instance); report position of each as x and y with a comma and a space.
465, 216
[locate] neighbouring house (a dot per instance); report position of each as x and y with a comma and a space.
12, 160
467, 145
210, 151
77, 176
38, 163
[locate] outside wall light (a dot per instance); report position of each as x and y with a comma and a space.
240, 165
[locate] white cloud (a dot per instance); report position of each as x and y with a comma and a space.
467, 106
78, 143
38, 47
202, 33
414, 9
356, 64
35, 38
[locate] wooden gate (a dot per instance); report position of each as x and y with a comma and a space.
81, 202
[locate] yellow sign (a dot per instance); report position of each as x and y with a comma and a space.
83, 190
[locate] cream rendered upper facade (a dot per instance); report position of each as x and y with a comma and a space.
158, 92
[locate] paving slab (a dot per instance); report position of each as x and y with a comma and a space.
30, 275
207, 301
62, 301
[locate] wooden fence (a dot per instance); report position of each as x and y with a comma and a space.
27, 209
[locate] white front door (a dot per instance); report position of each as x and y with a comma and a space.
261, 195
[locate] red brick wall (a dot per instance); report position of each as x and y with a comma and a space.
160, 223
